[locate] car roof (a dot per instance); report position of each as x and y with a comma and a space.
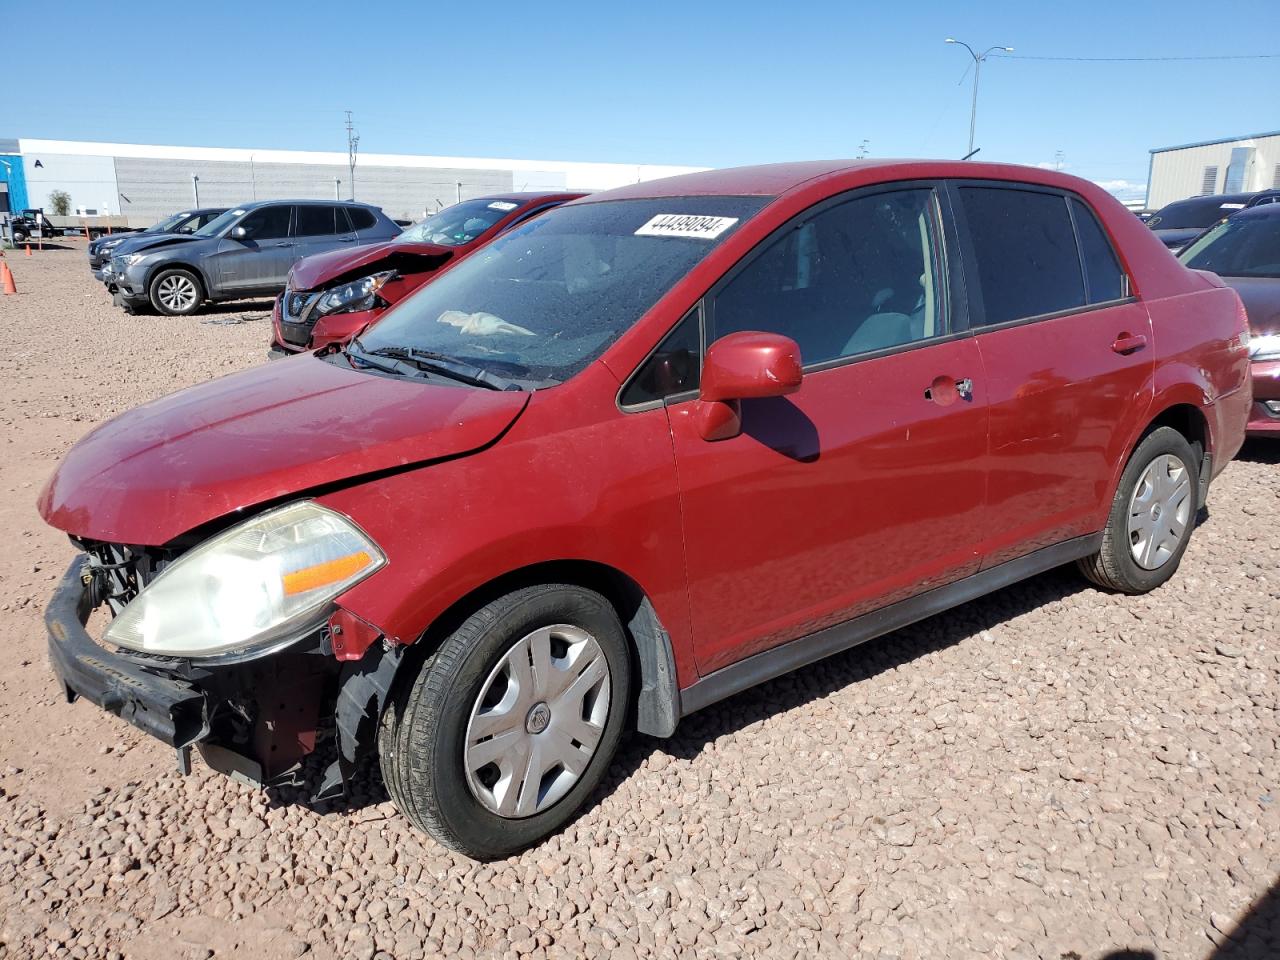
1216, 199
523, 197
775, 179
1262, 210
255, 204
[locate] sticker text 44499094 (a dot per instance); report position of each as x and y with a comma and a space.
686, 225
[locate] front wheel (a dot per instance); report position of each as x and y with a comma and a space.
1152, 516
512, 722
175, 293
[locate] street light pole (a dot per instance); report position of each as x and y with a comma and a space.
977, 71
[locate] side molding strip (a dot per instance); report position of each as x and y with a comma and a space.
756, 669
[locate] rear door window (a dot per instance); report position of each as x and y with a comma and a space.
1024, 246
315, 220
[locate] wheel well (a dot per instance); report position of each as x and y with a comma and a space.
656, 697
1189, 421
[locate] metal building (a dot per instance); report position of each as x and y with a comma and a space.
145, 183
1231, 165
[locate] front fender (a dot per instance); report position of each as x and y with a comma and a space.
541, 495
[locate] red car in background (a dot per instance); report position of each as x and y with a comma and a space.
332, 296
1244, 251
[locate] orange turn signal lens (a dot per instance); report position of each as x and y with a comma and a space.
323, 574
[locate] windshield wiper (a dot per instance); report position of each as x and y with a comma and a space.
446, 366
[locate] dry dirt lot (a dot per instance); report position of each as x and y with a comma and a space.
1051, 772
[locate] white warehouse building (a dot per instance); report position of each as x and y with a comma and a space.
146, 182
1233, 165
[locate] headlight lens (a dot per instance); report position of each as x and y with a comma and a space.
258, 583
354, 296
1265, 347
112, 244
131, 258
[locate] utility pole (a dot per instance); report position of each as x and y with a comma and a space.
195, 188
977, 69
1058, 159
353, 141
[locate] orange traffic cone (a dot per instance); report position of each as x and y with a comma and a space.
28, 249
6, 277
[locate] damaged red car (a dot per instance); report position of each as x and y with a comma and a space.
646, 451
332, 296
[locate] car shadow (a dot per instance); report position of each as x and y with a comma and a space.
1260, 451
846, 669
1255, 936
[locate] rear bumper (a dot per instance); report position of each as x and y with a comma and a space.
1264, 420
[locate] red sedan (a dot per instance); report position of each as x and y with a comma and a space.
648, 450
331, 297
1245, 251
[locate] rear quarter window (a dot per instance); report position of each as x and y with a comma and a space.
1025, 252
361, 219
1104, 280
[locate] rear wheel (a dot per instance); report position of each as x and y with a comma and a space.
512, 722
1151, 517
19, 236
175, 292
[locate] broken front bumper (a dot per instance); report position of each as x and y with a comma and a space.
155, 701
254, 718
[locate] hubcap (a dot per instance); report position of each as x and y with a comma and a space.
537, 722
177, 293
1159, 511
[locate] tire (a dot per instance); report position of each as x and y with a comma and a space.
176, 292
477, 705
19, 236
1151, 518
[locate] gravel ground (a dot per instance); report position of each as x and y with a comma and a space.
1050, 772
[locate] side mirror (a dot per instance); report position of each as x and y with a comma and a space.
239, 233
744, 366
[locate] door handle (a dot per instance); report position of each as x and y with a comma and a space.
1128, 343
946, 390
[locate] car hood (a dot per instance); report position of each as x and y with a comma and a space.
1176, 237
311, 273
137, 241
1261, 296
275, 431
155, 241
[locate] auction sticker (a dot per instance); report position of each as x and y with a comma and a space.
686, 225
503, 205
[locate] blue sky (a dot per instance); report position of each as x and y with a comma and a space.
705, 83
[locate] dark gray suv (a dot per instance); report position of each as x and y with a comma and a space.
246, 252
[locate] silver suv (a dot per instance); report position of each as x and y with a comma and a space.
246, 252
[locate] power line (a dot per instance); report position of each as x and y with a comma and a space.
1235, 56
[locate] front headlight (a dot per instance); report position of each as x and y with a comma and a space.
357, 295
256, 584
112, 244
130, 259
1265, 347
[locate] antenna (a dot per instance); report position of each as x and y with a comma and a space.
353, 142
